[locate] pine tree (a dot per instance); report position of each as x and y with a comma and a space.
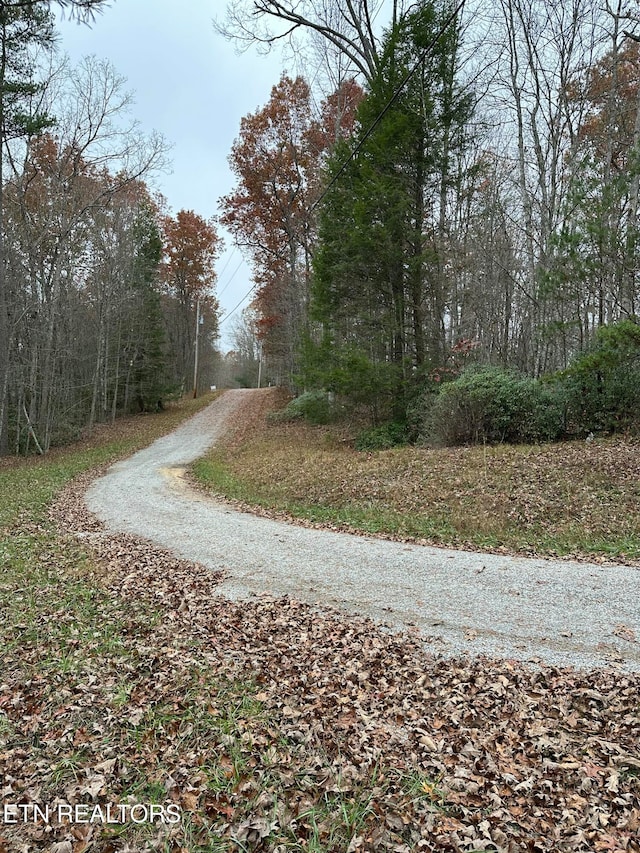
148, 356
23, 28
380, 291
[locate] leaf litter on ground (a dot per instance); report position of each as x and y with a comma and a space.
275, 726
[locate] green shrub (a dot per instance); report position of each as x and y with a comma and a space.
602, 385
350, 373
492, 405
313, 406
382, 437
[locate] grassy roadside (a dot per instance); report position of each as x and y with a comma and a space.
571, 499
265, 725
79, 716
27, 486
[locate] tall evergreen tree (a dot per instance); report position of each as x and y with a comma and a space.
380, 290
149, 381
23, 28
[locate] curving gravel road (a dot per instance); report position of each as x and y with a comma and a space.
559, 612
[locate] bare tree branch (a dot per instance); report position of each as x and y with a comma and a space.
346, 24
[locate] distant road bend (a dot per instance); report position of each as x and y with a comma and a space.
564, 613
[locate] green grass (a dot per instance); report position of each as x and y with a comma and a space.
556, 500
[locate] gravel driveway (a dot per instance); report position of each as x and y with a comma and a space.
560, 612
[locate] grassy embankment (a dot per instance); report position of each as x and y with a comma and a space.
572, 498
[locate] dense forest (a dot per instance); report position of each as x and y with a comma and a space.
440, 211
102, 290
466, 195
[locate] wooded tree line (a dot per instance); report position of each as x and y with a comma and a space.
468, 190
99, 284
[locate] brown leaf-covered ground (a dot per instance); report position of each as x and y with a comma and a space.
576, 499
277, 727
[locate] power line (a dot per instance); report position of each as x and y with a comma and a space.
228, 261
233, 275
391, 101
235, 308
394, 97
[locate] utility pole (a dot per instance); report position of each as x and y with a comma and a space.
195, 361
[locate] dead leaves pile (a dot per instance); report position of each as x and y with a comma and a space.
278, 727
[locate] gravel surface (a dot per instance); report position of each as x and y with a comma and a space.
564, 613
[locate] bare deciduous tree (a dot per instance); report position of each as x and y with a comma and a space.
347, 25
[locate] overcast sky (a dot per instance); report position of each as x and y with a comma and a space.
192, 87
